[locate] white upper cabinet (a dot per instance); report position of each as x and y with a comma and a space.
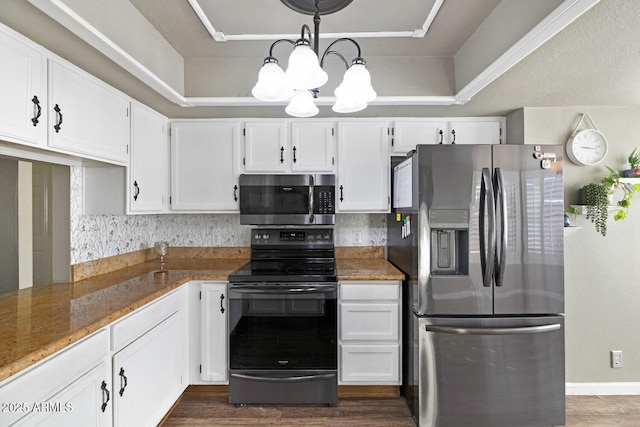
407, 133
279, 146
148, 190
363, 166
312, 146
265, 147
86, 116
23, 99
204, 166
476, 130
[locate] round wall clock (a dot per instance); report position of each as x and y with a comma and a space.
587, 147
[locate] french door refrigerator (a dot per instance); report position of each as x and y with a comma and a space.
478, 232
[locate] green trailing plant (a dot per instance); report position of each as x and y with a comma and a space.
596, 198
612, 182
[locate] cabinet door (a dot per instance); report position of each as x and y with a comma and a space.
312, 146
370, 321
265, 147
213, 311
204, 173
409, 133
149, 161
475, 131
147, 375
363, 166
367, 363
86, 116
86, 402
23, 103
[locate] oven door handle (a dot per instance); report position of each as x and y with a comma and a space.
311, 201
292, 379
253, 289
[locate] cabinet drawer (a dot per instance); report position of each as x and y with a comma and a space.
361, 363
370, 322
143, 319
370, 291
47, 378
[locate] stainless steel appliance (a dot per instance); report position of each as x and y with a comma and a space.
287, 199
478, 230
283, 319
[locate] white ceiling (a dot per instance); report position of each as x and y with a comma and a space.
396, 28
594, 60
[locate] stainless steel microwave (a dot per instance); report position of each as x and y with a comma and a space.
307, 199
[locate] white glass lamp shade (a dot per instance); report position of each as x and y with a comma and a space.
301, 105
344, 106
356, 85
272, 84
304, 71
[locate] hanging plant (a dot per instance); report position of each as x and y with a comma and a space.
596, 198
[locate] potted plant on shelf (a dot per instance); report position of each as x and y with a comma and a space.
599, 196
596, 197
634, 165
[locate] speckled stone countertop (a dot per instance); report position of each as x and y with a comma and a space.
367, 269
37, 322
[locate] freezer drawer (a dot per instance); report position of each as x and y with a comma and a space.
492, 372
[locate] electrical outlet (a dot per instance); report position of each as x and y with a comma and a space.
616, 359
357, 237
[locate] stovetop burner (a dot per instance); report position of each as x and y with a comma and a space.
289, 255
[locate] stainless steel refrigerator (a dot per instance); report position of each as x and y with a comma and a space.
478, 231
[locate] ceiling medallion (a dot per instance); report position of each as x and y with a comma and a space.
308, 7
305, 75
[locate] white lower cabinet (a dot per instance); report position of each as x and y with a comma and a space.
213, 332
149, 367
369, 333
147, 376
63, 390
85, 402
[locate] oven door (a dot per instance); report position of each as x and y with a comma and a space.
283, 343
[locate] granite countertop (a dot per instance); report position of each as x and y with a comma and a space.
37, 322
367, 269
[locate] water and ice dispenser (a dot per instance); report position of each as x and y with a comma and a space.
449, 241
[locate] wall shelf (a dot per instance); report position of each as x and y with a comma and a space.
571, 229
582, 209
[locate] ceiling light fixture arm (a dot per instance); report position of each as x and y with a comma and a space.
274, 44
358, 59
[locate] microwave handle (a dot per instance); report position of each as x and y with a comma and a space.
311, 192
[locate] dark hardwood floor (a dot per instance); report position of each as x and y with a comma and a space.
205, 408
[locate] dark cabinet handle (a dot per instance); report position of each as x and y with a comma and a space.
103, 387
221, 307
122, 377
281, 154
235, 193
36, 102
453, 132
58, 124
294, 155
441, 135
341, 189
135, 185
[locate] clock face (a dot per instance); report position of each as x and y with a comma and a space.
587, 147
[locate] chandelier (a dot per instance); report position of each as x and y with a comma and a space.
305, 75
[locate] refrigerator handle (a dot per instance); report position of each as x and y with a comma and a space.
501, 195
494, 331
487, 249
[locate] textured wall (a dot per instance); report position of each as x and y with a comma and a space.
601, 283
99, 236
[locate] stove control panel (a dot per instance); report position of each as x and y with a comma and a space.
287, 236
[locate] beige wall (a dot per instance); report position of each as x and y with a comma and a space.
601, 285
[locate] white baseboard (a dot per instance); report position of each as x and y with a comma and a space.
602, 388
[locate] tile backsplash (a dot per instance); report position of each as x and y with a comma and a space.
100, 236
